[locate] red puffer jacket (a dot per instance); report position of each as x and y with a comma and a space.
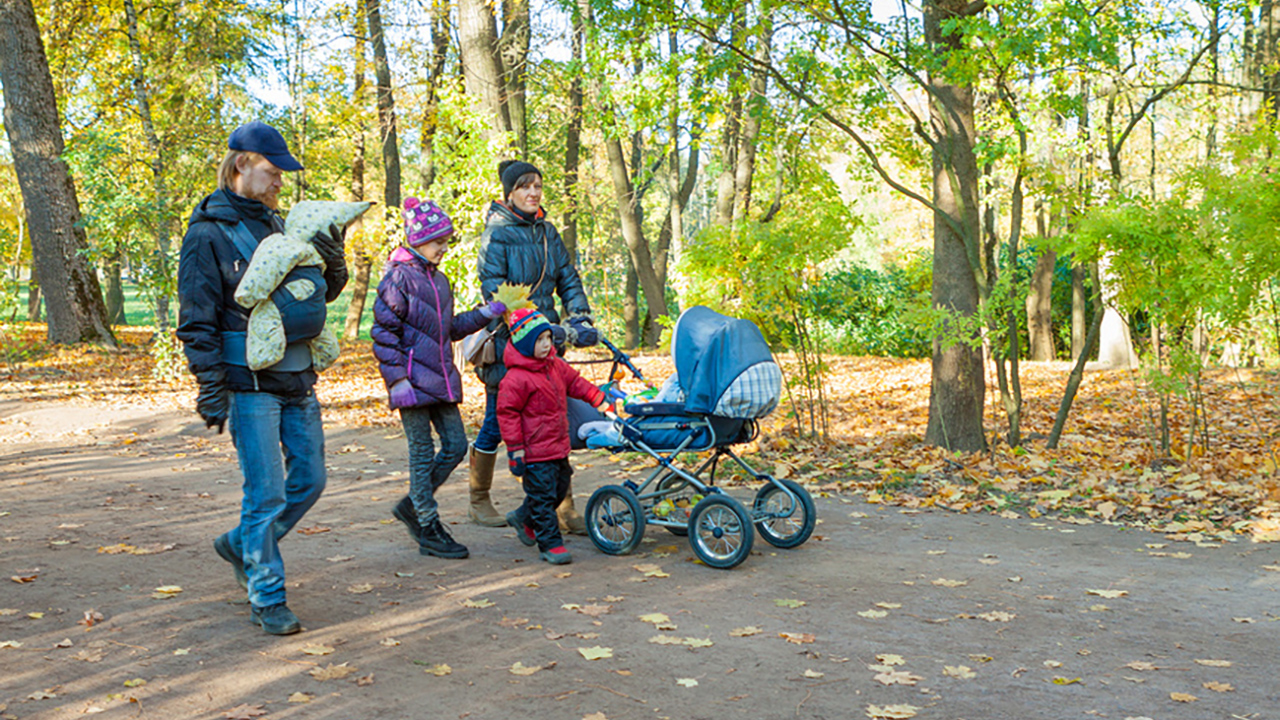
533, 412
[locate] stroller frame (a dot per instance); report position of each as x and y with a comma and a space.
719, 527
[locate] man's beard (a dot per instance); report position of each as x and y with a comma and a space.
271, 200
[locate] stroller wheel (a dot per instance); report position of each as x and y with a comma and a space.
772, 504
720, 531
615, 520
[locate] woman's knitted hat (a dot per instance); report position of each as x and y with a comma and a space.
526, 326
509, 171
424, 221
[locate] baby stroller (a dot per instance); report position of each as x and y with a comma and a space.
726, 379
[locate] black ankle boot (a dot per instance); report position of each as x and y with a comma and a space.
433, 539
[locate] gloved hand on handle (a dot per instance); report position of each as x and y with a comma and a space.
581, 331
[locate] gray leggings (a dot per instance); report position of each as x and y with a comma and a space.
429, 469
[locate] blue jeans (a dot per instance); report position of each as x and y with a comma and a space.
280, 443
428, 469
490, 436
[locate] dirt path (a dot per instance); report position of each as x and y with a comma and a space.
1015, 603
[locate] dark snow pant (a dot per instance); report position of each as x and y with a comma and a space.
545, 485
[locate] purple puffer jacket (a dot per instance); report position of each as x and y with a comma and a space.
414, 328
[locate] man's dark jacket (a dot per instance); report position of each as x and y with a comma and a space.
209, 270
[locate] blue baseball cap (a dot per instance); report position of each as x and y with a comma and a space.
265, 140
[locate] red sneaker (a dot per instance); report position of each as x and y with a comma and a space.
557, 555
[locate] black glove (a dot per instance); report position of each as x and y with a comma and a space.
331, 246
558, 336
213, 402
581, 332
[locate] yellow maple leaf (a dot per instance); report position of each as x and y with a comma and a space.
1111, 594
317, 650
1214, 663
958, 671
439, 670
745, 631
596, 653
481, 603
1183, 697
892, 712
332, 672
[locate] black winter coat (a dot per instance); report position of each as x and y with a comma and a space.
519, 251
209, 270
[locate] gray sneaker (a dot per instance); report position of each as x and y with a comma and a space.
222, 545
275, 619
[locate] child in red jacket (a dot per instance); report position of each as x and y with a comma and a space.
533, 418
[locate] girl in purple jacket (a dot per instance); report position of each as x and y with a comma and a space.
413, 332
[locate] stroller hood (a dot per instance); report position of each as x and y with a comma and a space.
724, 365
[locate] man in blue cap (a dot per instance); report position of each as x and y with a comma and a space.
274, 414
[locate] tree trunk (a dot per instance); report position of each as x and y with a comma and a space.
435, 75
33, 295
164, 287
726, 189
1077, 370
114, 291
386, 110
1269, 55
1040, 298
513, 49
756, 104
362, 257
1079, 311
631, 307
956, 392
70, 285
573, 135
481, 64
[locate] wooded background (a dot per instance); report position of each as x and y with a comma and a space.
975, 182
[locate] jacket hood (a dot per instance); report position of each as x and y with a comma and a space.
513, 358
227, 207
404, 255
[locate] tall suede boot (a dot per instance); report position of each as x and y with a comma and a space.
481, 511
571, 521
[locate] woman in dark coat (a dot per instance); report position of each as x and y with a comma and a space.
520, 246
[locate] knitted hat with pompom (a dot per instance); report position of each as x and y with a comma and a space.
424, 221
526, 326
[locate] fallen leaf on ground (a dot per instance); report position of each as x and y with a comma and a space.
481, 603
687, 682
1218, 686
1067, 681
439, 670
997, 616
595, 716
655, 618
360, 588
340, 558
317, 650
595, 610
888, 605
389, 642
897, 677
958, 671
1141, 665
136, 682
596, 653
519, 668
332, 672
814, 674
1110, 594
745, 631
364, 680
892, 712
1183, 697
797, 638
41, 695
10, 644
651, 570
789, 603
943, 582
244, 712
874, 613
512, 622
300, 697
891, 659
1214, 663
313, 530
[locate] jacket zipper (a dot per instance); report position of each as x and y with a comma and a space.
444, 367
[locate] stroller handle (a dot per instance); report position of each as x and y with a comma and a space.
622, 358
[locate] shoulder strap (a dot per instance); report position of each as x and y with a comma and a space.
240, 236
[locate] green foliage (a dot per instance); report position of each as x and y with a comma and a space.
866, 309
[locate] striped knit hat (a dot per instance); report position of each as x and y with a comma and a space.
526, 326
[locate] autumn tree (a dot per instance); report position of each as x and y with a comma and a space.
70, 286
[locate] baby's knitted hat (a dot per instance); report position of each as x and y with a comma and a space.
526, 326
424, 221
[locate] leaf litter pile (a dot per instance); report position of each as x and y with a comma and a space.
1107, 467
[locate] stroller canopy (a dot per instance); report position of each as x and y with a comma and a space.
724, 365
